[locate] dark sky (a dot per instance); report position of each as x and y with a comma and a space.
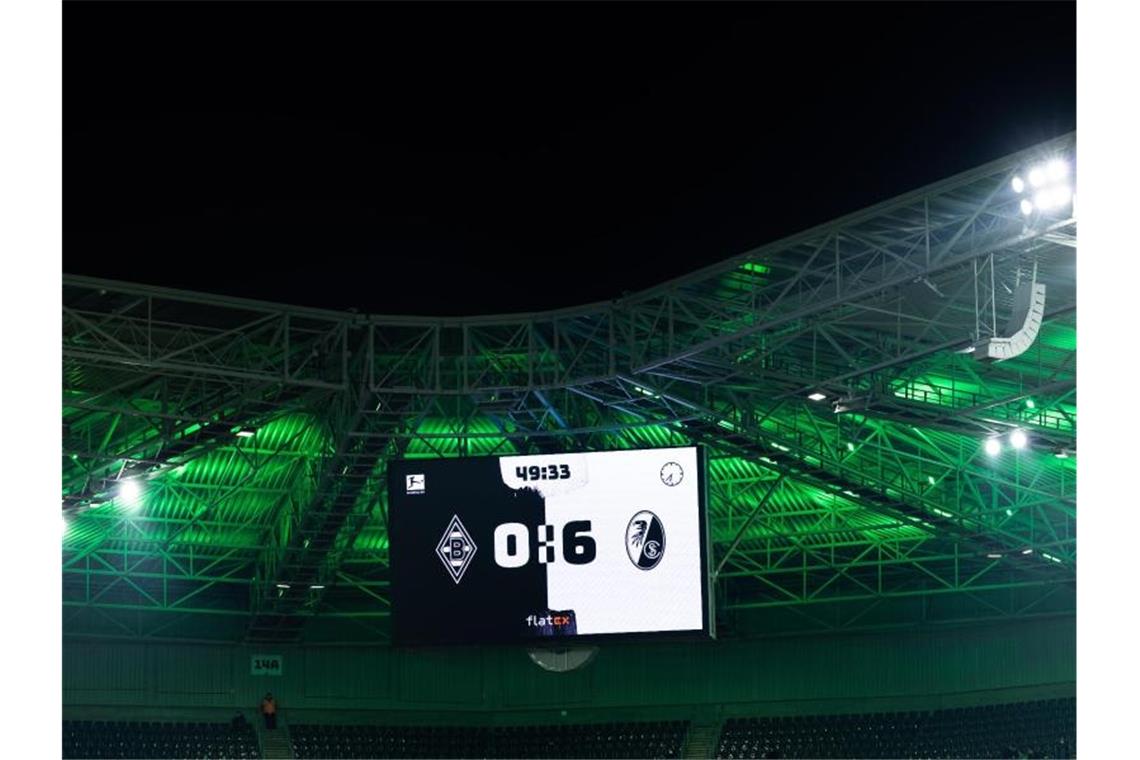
464, 159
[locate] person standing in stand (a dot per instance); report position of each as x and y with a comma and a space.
269, 710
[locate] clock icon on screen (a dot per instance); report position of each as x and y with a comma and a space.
672, 474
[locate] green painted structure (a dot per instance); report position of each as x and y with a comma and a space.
224, 462
820, 673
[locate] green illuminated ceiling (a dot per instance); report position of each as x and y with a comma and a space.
824, 514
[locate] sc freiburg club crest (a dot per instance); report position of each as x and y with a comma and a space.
456, 549
645, 540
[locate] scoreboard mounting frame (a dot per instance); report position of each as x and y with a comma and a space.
418, 595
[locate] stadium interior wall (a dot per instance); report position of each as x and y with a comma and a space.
920, 669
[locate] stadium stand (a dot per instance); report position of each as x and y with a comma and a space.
601, 740
121, 739
1040, 729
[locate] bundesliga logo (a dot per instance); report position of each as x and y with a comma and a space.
415, 483
645, 540
456, 549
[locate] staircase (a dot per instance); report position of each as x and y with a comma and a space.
700, 743
275, 744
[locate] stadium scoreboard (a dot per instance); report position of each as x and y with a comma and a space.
553, 546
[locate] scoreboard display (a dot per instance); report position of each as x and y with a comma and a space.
538, 547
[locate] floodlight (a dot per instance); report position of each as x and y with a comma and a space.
850, 446
1026, 551
283, 585
316, 586
1018, 184
129, 491
1009, 513
994, 556
1036, 177
1026, 206
817, 396
930, 479
1057, 169
993, 447
245, 433
1029, 404
1018, 439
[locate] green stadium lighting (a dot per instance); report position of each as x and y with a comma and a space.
1029, 404
993, 447
1018, 439
850, 446
930, 479
130, 492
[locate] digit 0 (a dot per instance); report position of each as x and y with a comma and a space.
512, 545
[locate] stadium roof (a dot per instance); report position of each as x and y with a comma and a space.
834, 377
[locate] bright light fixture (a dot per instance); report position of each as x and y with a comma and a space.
850, 446
245, 433
1057, 169
993, 447
1026, 551
1029, 404
1052, 198
1009, 513
317, 586
930, 479
817, 396
1018, 185
1026, 206
994, 556
1061, 454
283, 585
129, 491
1018, 439
1036, 177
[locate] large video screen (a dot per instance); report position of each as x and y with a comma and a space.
541, 547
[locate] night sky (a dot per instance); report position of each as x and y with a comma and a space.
470, 159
